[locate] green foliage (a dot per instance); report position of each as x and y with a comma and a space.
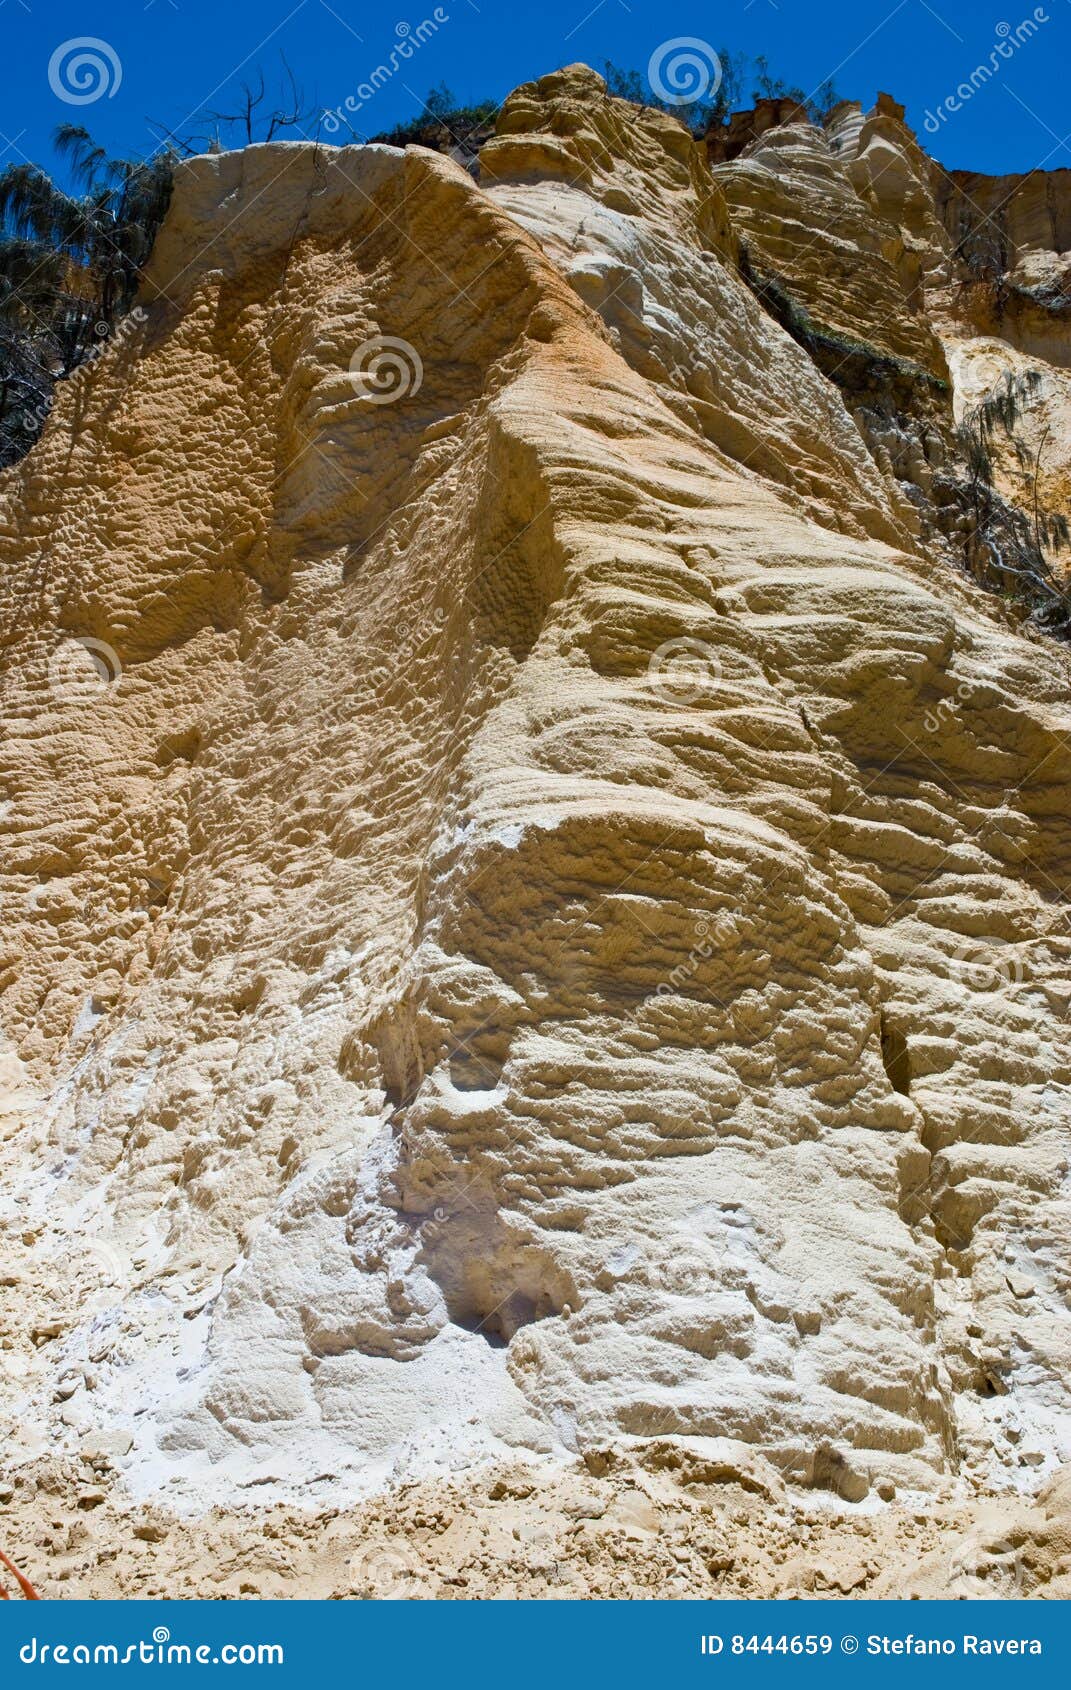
440, 102
775, 299
699, 115
69, 268
852, 364
982, 249
703, 115
1002, 549
1001, 409
1005, 406
444, 125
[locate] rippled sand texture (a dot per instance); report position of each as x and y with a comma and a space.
534, 912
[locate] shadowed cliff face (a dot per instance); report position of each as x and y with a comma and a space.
534, 892
1007, 317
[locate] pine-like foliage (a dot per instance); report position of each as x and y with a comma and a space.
70, 263
1003, 549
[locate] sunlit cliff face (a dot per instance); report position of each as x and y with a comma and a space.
534, 882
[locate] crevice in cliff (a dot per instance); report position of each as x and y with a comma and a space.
493, 1280
896, 1057
859, 369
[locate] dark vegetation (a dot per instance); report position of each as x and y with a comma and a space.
444, 125
447, 126
700, 116
982, 250
260, 114
984, 255
69, 269
1003, 548
71, 260
854, 365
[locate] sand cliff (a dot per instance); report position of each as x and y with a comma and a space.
535, 897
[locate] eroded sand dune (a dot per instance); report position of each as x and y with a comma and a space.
536, 961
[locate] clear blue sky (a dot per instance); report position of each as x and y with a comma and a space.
178, 57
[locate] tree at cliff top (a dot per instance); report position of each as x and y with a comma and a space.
69, 268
